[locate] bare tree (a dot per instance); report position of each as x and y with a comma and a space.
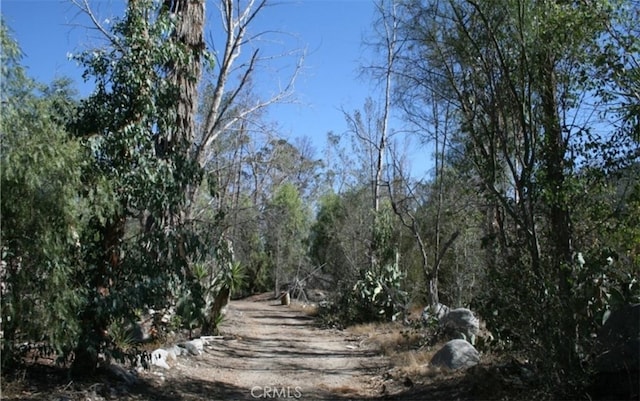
406, 202
373, 130
237, 18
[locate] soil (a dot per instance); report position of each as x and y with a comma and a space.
268, 350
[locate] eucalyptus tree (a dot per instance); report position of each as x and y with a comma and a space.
368, 240
151, 147
368, 146
233, 75
370, 127
431, 125
139, 125
617, 68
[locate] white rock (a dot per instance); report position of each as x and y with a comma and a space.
159, 358
194, 347
166, 318
171, 355
176, 351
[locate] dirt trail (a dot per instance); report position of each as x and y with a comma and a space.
271, 351
267, 351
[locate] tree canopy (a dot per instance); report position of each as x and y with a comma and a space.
167, 188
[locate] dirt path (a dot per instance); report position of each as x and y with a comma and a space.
267, 352
271, 351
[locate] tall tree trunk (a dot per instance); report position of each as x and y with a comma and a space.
215, 311
95, 321
390, 21
185, 76
560, 233
189, 33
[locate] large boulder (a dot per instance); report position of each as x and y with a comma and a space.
456, 354
461, 322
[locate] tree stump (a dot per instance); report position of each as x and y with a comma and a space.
285, 298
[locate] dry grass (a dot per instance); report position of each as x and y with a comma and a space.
414, 363
403, 346
388, 337
305, 308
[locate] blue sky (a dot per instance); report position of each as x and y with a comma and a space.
330, 30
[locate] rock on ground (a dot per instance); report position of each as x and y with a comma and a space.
176, 350
194, 347
437, 311
456, 354
121, 374
462, 321
159, 358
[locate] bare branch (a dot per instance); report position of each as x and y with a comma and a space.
236, 20
86, 8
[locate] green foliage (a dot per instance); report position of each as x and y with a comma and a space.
256, 264
233, 276
336, 243
202, 301
607, 231
138, 251
257, 273
288, 205
286, 232
385, 237
377, 296
122, 335
42, 211
517, 75
380, 294
336, 238
325, 241
190, 308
